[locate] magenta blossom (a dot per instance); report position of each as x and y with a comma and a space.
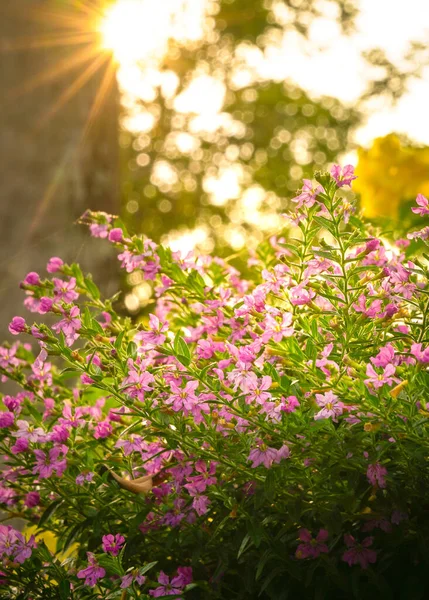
263, 455
17, 325
14, 545
47, 464
173, 587
93, 571
32, 278
65, 290
331, 406
127, 580
308, 194
69, 325
359, 553
113, 543
312, 547
376, 474
423, 206
102, 430
54, 264
32, 499
343, 176
156, 334
377, 380
80, 479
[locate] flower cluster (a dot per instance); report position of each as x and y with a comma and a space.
257, 424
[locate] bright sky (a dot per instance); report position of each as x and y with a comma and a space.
337, 69
327, 64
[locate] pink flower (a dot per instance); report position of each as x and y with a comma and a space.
176, 585
46, 465
376, 475
299, 295
256, 390
263, 455
98, 230
359, 553
376, 380
80, 479
421, 355
32, 279
54, 264
17, 325
113, 543
343, 176
133, 444
312, 547
93, 571
183, 398
289, 404
6, 419
331, 406
155, 336
127, 580
308, 194
102, 430
385, 356
423, 208
275, 330
70, 325
115, 235
200, 504
32, 499
14, 545
65, 290
45, 305
136, 384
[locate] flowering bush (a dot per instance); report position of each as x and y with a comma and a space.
256, 438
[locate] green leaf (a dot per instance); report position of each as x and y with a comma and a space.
243, 546
118, 341
49, 511
132, 350
92, 288
64, 589
147, 567
181, 349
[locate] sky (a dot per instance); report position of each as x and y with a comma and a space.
329, 63
337, 69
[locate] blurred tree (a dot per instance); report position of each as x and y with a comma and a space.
58, 150
219, 146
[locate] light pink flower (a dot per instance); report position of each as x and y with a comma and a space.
331, 406
377, 380
343, 176
423, 206
308, 194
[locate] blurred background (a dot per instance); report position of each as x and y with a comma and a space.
195, 120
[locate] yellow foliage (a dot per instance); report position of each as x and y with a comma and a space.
390, 173
51, 542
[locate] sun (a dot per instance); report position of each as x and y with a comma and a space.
140, 30
134, 30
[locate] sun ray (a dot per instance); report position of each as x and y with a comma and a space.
48, 41
105, 86
73, 89
57, 70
